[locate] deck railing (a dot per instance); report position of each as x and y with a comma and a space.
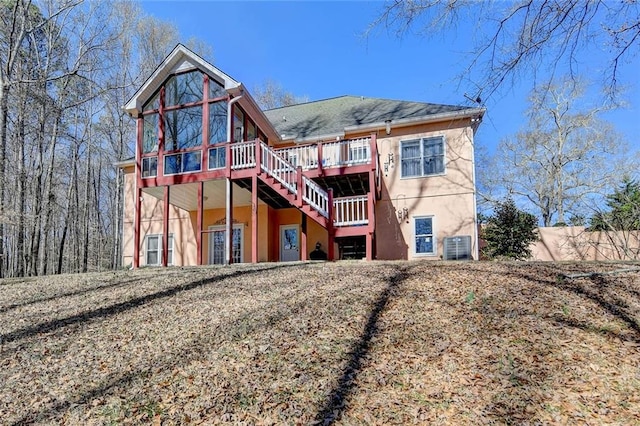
341, 153
243, 155
283, 165
305, 156
351, 211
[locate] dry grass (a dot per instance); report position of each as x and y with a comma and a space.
344, 343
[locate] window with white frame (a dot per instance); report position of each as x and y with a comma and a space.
153, 250
184, 162
217, 157
425, 241
149, 167
422, 157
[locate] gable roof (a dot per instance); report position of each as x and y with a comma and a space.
334, 117
183, 59
180, 59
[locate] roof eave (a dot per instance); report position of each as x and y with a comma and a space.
319, 138
426, 119
125, 163
252, 108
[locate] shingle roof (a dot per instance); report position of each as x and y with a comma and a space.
332, 116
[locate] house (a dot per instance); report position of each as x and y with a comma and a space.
216, 180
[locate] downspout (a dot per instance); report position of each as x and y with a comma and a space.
476, 234
229, 226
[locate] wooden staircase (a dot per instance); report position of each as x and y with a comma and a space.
343, 216
291, 183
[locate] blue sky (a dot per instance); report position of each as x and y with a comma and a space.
318, 50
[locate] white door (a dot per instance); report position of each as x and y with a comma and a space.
216, 244
289, 243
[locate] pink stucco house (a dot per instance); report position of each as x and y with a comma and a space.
217, 180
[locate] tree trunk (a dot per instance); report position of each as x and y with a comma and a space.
4, 114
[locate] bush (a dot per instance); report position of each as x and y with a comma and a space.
509, 232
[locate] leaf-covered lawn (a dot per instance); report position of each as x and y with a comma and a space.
343, 343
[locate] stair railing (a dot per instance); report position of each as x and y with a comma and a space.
315, 196
279, 168
286, 173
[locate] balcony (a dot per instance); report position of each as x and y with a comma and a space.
294, 176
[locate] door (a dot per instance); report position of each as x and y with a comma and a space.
216, 244
289, 243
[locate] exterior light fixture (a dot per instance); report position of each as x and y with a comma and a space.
388, 126
389, 162
403, 214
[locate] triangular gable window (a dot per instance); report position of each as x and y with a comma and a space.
184, 89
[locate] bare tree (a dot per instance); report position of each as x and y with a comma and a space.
523, 35
271, 95
565, 156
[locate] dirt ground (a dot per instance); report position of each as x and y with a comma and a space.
344, 343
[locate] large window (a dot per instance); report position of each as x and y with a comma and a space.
153, 250
424, 236
150, 133
422, 157
216, 90
218, 122
238, 124
184, 88
183, 128
184, 162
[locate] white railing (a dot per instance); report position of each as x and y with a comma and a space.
346, 152
315, 196
305, 156
243, 155
351, 211
278, 168
341, 153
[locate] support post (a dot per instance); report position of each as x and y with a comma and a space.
200, 221
369, 244
371, 219
300, 189
165, 228
303, 238
320, 165
258, 157
228, 237
330, 250
254, 218
136, 229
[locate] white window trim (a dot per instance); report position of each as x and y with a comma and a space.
209, 157
142, 167
433, 236
160, 248
421, 139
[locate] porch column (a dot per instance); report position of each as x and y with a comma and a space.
228, 237
303, 238
200, 222
165, 228
136, 229
254, 218
369, 246
330, 250
371, 217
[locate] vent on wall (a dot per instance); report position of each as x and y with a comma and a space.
457, 248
